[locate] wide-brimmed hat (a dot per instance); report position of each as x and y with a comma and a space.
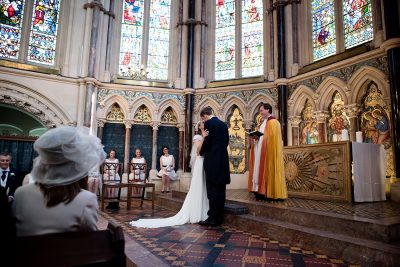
66, 155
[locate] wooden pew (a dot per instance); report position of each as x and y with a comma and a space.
96, 248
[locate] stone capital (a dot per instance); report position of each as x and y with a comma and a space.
294, 121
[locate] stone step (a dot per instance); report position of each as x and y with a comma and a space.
351, 249
387, 230
336, 236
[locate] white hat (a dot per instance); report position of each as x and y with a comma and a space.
66, 154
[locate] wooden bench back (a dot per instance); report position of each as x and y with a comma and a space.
95, 248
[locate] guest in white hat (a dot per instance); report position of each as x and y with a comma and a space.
57, 201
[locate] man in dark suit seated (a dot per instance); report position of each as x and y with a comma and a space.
11, 179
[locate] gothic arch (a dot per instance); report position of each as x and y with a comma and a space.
39, 106
228, 104
153, 109
206, 102
326, 90
254, 105
360, 80
299, 98
105, 106
176, 107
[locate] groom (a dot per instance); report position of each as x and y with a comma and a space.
216, 165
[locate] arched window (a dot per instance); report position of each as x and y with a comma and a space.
249, 61
144, 47
338, 25
36, 45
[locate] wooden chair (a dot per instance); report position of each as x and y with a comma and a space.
94, 248
138, 179
110, 180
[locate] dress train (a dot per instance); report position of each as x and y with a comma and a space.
194, 208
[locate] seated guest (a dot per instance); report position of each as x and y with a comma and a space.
57, 202
111, 172
167, 172
94, 180
137, 174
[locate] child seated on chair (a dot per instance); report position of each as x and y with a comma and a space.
94, 180
137, 174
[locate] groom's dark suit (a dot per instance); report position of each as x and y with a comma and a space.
216, 166
14, 180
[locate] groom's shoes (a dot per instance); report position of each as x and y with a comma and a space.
209, 223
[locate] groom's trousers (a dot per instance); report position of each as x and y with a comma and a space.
216, 196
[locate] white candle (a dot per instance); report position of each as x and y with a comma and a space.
359, 137
345, 135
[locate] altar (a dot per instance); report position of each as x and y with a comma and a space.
324, 171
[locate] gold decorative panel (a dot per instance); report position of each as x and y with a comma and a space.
168, 117
115, 113
375, 124
237, 139
338, 119
142, 115
320, 171
308, 126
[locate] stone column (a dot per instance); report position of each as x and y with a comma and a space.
128, 126
294, 122
248, 123
352, 112
96, 5
189, 99
153, 171
181, 128
281, 51
321, 117
100, 128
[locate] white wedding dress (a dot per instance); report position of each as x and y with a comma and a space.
195, 206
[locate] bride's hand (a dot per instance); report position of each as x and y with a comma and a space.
205, 133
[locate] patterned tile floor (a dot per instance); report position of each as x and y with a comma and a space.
195, 245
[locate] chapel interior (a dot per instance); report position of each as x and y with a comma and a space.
138, 73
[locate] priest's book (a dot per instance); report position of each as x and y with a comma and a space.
255, 133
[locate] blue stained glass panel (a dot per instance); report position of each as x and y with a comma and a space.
131, 38
158, 50
252, 38
11, 16
357, 21
43, 34
323, 28
225, 40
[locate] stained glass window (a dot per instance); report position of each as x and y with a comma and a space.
357, 16
42, 41
323, 28
11, 17
252, 38
132, 61
225, 40
157, 64
131, 37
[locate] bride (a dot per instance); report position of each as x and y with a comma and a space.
195, 206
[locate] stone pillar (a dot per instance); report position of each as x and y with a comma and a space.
100, 128
128, 126
189, 99
248, 124
352, 111
153, 171
96, 5
282, 87
294, 122
321, 117
181, 128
